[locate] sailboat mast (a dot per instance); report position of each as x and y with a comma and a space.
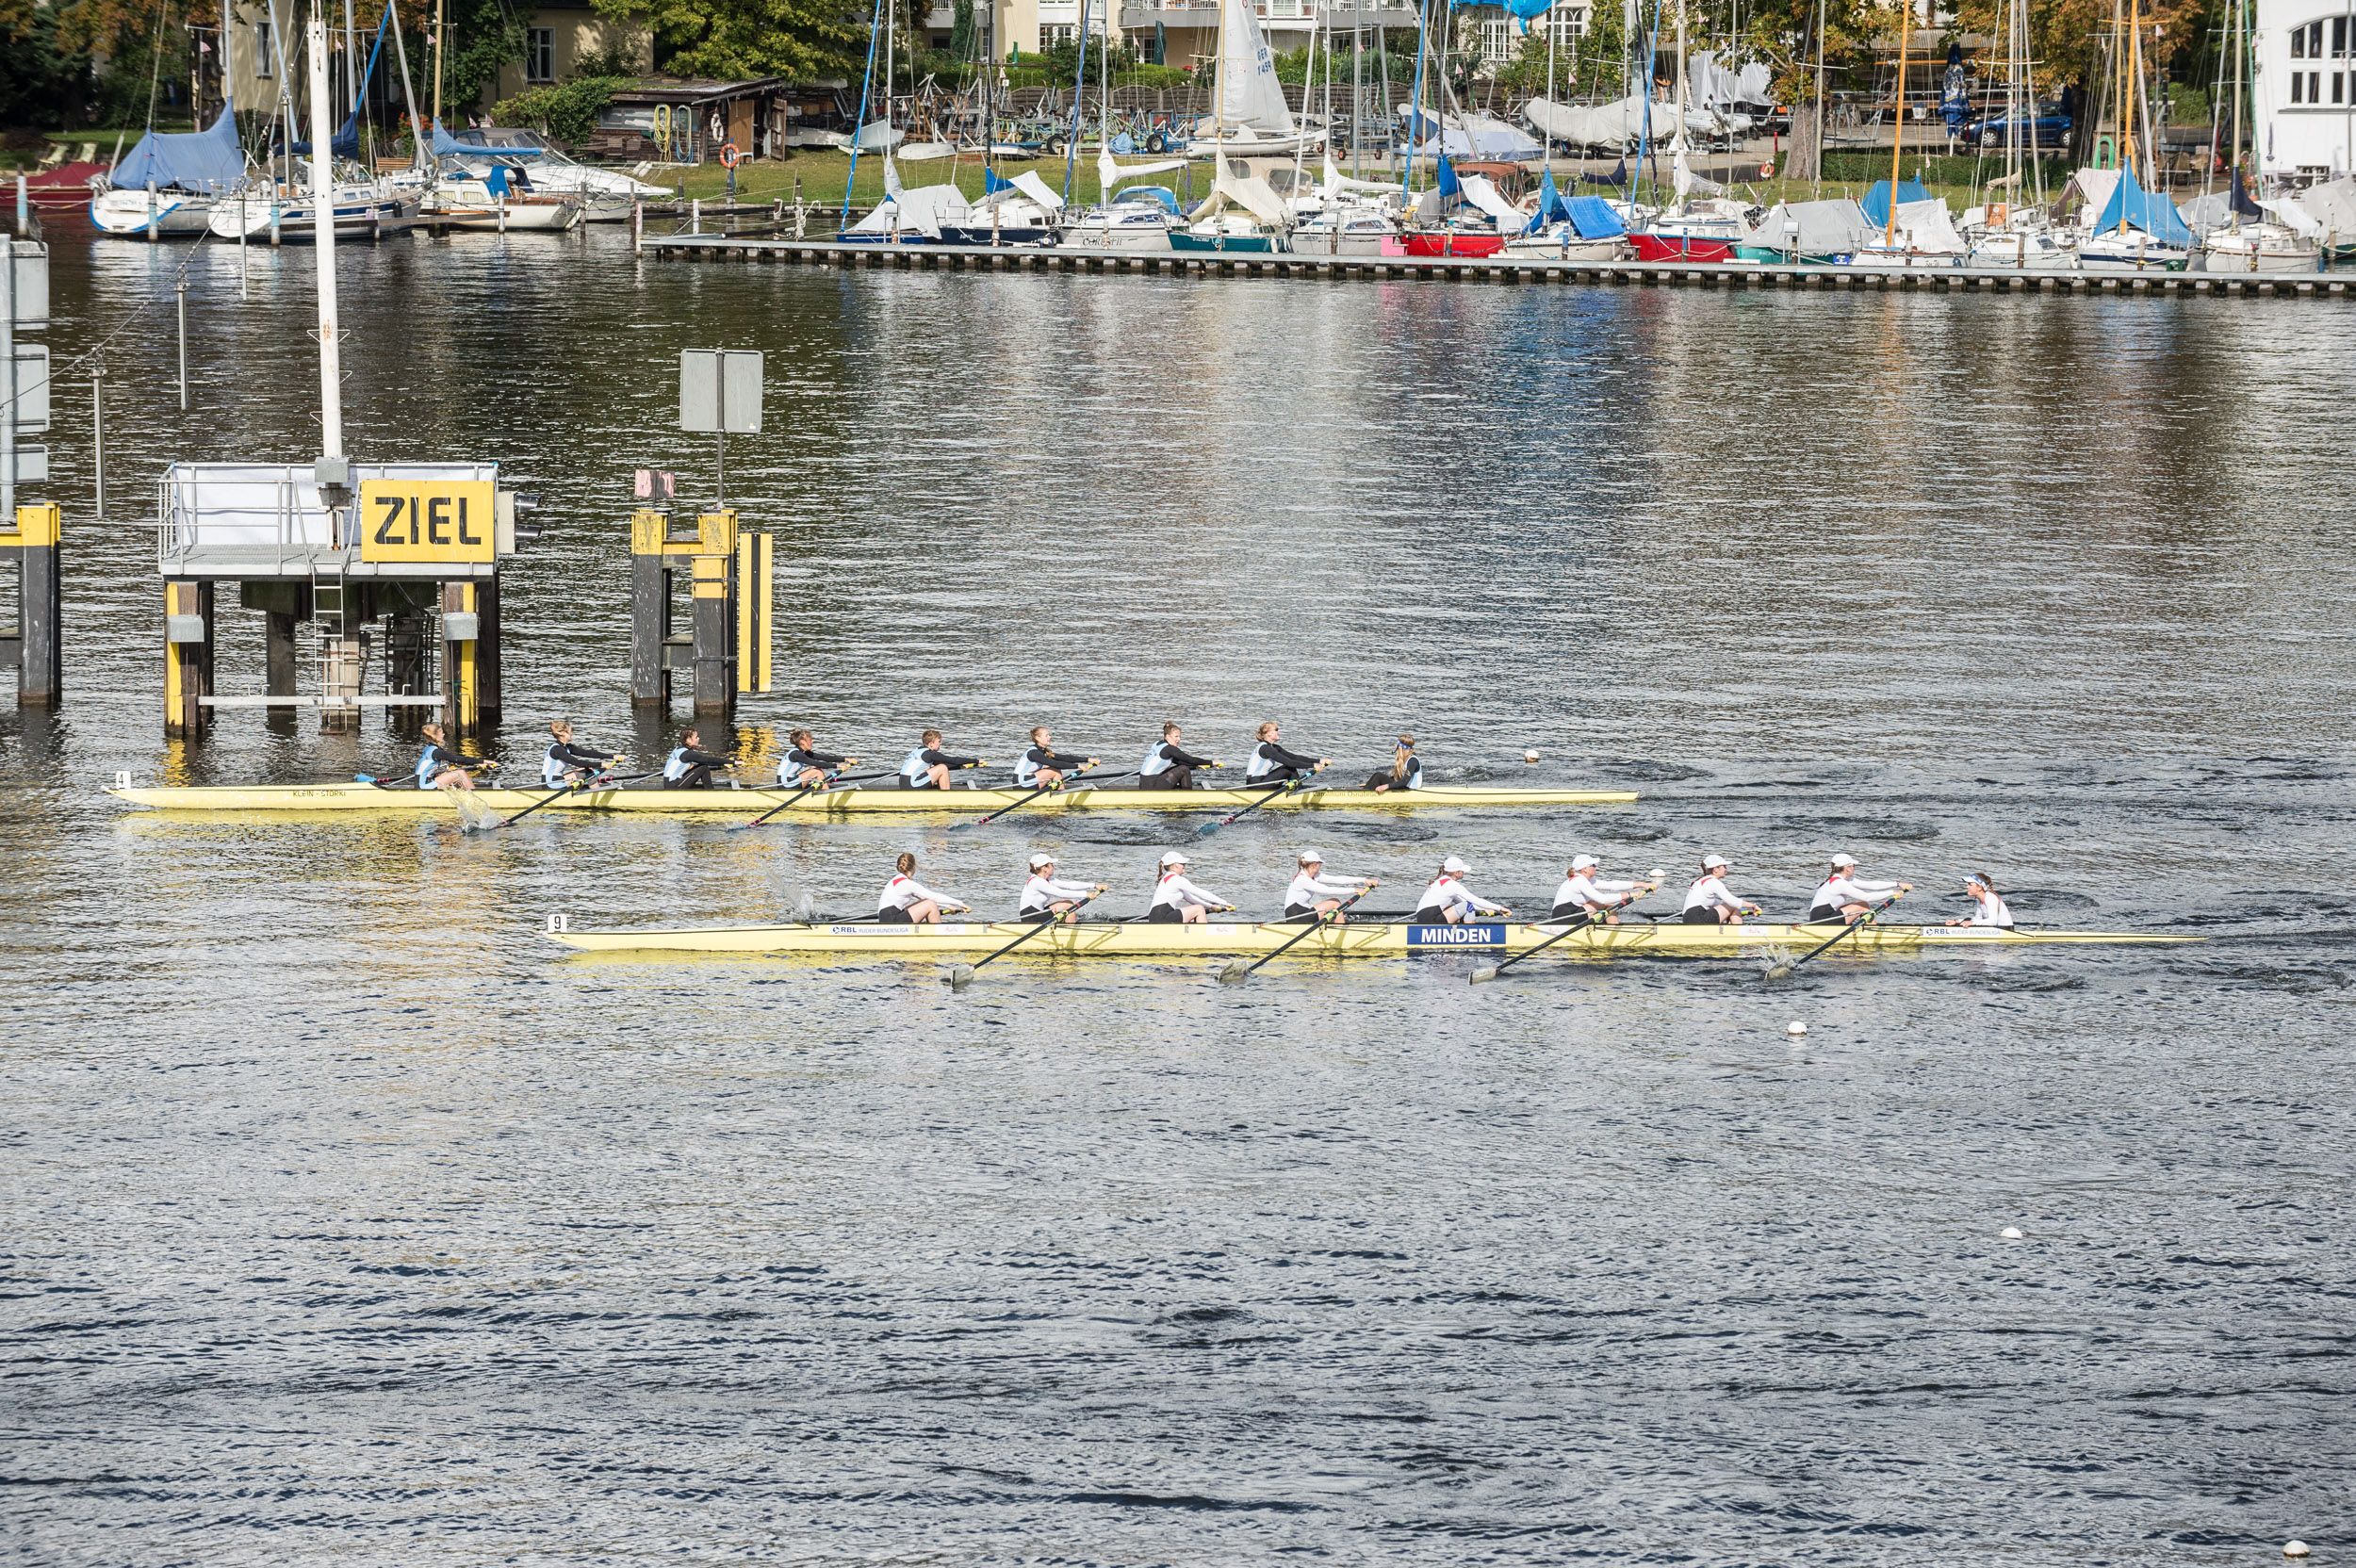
1898, 137
2240, 33
323, 217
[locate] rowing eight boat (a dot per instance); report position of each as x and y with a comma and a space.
1136, 938
837, 803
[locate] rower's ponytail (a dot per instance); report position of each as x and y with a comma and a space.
907, 864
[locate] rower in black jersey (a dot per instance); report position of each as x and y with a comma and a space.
804, 766
440, 768
689, 767
1169, 765
929, 767
565, 762
1270, 763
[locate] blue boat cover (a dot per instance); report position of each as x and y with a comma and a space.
1593, 217
1550, 206
1877, 200
992, 184
2138, 208
1617, 177
205, 160
1449, 184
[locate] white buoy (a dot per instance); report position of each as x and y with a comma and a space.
1795, 1028
2010, 1233
2294, 1549
1529, 757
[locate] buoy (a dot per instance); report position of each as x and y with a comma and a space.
2294, 1549
1529, 757
1795, 1028
2010, 1233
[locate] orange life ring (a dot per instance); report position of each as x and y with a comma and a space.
730, 156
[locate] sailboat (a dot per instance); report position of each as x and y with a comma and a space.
1249, 115
167, 185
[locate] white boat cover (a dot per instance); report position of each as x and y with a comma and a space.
1336, 182
922, 210
2289, 213
1614, 125
879, 136
1038, 190
1475, 136
1826, 228
1254, 195
2093, 187
1928, 229
2333, 208
1482, 192
1111, 171
2204, 213
1248, 94
1717, 87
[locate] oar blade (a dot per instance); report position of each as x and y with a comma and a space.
961, 977
1485, 973
1236, 973
961, 827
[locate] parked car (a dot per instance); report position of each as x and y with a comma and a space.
2048, 131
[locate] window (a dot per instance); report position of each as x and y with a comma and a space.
539, 54
2314, 40
2298, 43
1497, 43
2315, 87
2299, 87
263, 64
2338, 82
2339, 37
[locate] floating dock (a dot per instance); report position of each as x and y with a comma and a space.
1516, 270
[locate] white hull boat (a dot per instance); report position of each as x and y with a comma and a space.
466, 204
361, 213
2259, 249
1563, 243
131, 214
2034, 251
2132, 252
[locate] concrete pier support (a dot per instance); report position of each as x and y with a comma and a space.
187, 658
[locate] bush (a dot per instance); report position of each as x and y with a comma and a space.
567, 113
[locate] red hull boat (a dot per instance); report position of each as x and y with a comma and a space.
1682, 247
1448, 243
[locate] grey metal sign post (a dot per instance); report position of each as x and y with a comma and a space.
719, 390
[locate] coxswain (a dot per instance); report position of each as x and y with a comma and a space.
1313, 894
1405, 772
1047, 897
929, 767
1990, 910
1846, 896
804, 766
1583, 892
1270, 763
689, 767
566, 763
1040, 768
440, 768
904, 901
1177, 901
1709, 902
1169, 765
1447, 901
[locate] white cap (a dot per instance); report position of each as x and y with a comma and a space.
1038, 860
1583, 862
1311, 858
1174, 859
1454, 865
1844, 863
1715, 862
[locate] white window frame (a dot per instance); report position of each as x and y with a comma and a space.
539, 55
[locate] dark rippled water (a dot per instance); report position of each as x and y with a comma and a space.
346, 1222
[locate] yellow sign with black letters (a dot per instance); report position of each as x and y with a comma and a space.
449, 520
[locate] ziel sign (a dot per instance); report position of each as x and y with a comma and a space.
452, 520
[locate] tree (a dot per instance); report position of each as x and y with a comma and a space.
731, 39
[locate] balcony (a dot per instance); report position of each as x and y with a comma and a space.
1204, 13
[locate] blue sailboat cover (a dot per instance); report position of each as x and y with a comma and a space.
206, 160
1877, 200
2138, 208
1593, 217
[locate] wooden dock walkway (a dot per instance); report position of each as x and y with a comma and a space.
1736, 275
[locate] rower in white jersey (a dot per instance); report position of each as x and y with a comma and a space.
1584, 892
1169, 765
804, 766
1847, 896
929, 767
1047, 897
1709, 902
1989, 909
1313, 894
904, 901
1270, 763
566, 763
1040, 768
1447, 901
1177, 901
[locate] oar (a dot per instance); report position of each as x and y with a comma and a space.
963, 973
1284, 788
1237, 970
568, 789
1779, 970
977, 822
834, 778
1576, 926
